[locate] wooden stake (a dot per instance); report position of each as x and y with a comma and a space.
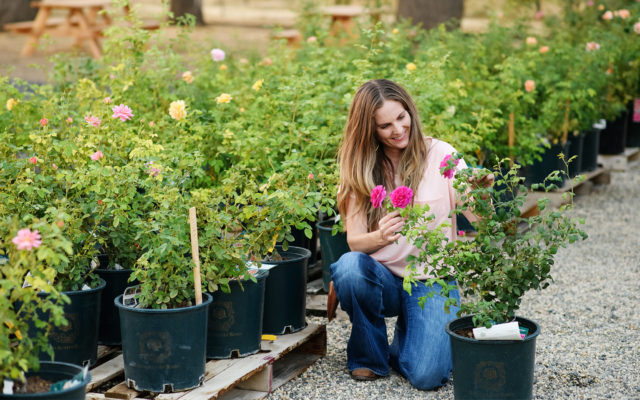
195, 254
565, 125
512, 137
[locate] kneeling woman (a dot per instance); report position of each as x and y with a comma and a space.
384, 145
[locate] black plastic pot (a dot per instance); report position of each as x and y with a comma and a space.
164, 350
77, 342
492, 369
590, 149
54, 372
285, 296
332, 247
576, 147
301, 240
633, 125
235, 319
540, 169
117, 282
613, 138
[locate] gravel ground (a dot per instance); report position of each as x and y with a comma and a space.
590, 324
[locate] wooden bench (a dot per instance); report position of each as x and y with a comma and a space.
26, 27
292, 36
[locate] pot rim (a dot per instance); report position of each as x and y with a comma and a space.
454, 335
206, 300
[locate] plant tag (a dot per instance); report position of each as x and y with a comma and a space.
524, 331
86, 287
69, 383
7, 388
117, 266
95, 264
506, 331
636, 110
129, 298
268, 266
602, 124
26, 284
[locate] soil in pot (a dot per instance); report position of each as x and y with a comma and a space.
38, 383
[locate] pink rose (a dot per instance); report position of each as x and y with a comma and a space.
123, 112
636, 27
44, 122
27, 240
378, 195
93, 121
107, 100
607, 16
310, 176
55, 167
624, 14
401, 197
531, 40
312, 39
33, 160
589, 3
592, 46
69, 120
217, 55
460, 233
543, 49
540, 14
97, 155
529, 85
447, 166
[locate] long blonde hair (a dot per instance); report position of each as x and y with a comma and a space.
363, 163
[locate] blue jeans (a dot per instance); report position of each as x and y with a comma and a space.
369, 292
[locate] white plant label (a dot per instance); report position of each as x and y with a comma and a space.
506, 331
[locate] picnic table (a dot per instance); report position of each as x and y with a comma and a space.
82, 20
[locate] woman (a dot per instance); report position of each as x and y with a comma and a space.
384, 145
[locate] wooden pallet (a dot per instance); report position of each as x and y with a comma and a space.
620, 162
251, 377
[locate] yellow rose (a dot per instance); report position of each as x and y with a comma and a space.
411, 67
187, 77
223, 67
178, 110
223, 98
395, 31
11, 103
257, 85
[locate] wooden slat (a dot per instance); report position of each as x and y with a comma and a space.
121, 391
291, 366
620, 162
260, 382
105, 372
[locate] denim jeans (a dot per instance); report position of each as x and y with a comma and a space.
369, 292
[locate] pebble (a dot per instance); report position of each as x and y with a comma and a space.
589, 345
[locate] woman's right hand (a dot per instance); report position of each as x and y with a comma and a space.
389, 226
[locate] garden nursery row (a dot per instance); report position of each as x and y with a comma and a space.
169, 156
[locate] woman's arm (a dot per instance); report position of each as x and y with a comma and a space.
369, 242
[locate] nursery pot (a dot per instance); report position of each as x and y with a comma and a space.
117, 282
613, 139
77, 342
492, 369
540, 169
633, 125
590, 149
54, 372
164, 350
576, 147
285, 296
332, 247
235, 319
301, 240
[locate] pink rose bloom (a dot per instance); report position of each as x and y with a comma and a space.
460, 233
123, 112
107, 100
27, 240
33, 160
378, 195
217, 55
44, 122
401, 197
529, 85
55, 167
69, 120
151, 124
531, 41
544, 49
624, 14
607, 16
312, 39
97, 155
154, 171
636, 27
310, 176
93, 121
539, 14
592, 46
449, 170
589, 3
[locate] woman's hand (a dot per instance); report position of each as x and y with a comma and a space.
482, 181
389, 226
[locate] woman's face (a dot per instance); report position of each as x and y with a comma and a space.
393, 125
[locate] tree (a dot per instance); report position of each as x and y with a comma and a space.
181, 7
16, 10
431, 13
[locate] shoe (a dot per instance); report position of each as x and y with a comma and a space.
364, 374
332, 302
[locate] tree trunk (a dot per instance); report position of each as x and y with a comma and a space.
15, 11
182, 7
431, 13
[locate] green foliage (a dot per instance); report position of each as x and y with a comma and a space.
27, 296
510, 253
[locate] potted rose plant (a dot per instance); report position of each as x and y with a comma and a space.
30, 248
508, 256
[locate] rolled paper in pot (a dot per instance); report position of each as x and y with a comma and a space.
506, 331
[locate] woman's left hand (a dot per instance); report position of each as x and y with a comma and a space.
482, 181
